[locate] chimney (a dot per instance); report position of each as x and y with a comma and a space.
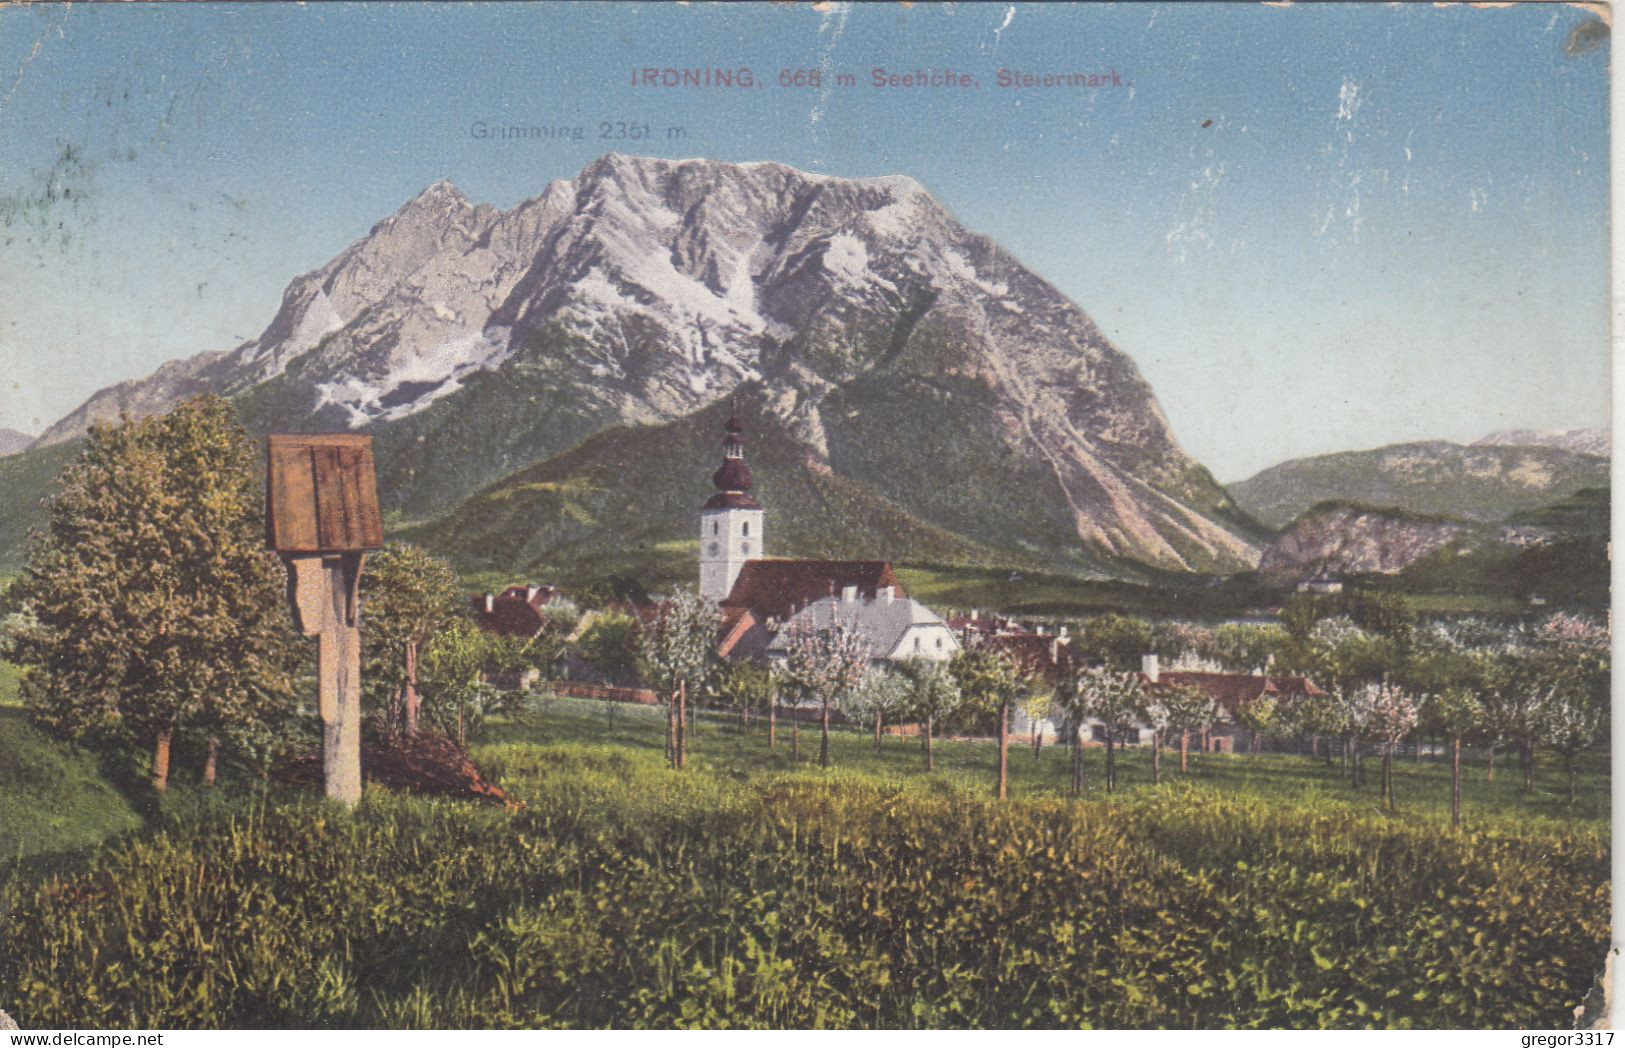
490, 603
849, 595
1148, 666
886, 594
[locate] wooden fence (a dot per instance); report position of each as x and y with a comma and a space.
583, 690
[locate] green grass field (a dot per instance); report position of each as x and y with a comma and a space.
1422, 788
54, 798
10, 679
750, 890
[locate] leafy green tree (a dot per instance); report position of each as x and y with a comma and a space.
1572, 720
1115, 700
1184, 639
884, 695
991, 680
1243, 647
1159, 718
611, 646
745, 686
456, 695
1117, 641
676, 650
1187, 710
1518, 686
1036, 705
933, 693
407, 596
1258, 713
151, 604
520, 659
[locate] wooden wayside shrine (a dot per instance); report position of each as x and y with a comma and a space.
321, 515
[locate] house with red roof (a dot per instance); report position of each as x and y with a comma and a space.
515, 612
1232, 693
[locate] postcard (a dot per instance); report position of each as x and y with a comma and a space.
805, 516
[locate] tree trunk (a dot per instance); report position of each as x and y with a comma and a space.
1004, 750
1529, 766
1184, 752
1569, 762
930, 759
462, 738
795, 734
211, 761
1156, 758
160, 762
877, 731
671, 729
1111, 761
396, 719
1077, 766
1207, 739
823, 742
412, 700
682, 724
1038, 738
1455, 782
773, 722
1491, 776
1388, 774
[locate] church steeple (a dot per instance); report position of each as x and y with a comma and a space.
733, 478
731, 521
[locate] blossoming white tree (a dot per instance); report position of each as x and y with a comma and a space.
1390, 715
826, 663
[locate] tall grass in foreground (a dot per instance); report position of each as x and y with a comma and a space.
626, 895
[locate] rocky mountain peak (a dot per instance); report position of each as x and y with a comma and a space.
644, 289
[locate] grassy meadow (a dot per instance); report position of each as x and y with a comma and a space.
752, 891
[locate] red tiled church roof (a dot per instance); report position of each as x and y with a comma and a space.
775, 588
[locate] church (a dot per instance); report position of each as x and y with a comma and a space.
760, 595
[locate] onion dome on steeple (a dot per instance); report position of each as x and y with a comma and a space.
733, 478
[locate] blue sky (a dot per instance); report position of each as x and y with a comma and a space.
1314, 228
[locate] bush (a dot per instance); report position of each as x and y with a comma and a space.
625, 896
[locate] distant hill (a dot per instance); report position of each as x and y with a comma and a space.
1555, 554
1347, 538
1585, 441
13, 441
626, 500
1471, 482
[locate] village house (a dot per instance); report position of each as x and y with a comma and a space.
515, 612
1322, 582
1231, 692
895, 627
